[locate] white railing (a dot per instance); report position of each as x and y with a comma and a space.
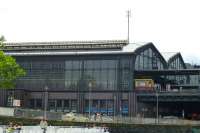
57, 129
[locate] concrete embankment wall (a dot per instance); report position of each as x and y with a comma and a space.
6, 111
155, 129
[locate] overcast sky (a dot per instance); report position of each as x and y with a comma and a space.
172, 25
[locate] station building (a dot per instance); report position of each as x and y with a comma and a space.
112, 77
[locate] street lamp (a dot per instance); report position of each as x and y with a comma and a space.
114, 110
157, 107
45, 101
89, 98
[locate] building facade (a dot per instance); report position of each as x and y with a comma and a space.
89, 76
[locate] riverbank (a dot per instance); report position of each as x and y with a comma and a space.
114, 127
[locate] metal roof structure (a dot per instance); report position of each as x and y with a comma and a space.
68, 45
168, 55
71, 48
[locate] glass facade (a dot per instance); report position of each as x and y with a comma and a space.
72, 74
35, 103
40, 73
177, 63
58, 105
70, 78
193, 79
63, 74
101, 74
76, 74
148, 60
100, 106
124, 107
125, 69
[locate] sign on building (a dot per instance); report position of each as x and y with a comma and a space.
16, 103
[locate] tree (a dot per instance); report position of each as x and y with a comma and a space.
9, 69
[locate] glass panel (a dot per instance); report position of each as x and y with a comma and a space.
86, 106
103, 108
76, 65
137, 63
124, 107
52, 104
94, 106
74, 105
154, 62
125, 79
105, 64
88, 64
112, 64
104, 79
141, 62
59, 106
38, 103
110, 105
68, 65
66, 106
146, 63
97, 64
32, 103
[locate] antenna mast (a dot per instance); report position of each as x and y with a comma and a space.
128, 16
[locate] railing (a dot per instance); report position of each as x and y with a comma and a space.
55, 129
75, 117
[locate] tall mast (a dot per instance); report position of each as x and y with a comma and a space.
128, 16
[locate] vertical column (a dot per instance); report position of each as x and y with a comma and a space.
3, 97
46, 97
81, 103
26, 99
78, 102
119, 97
132, 103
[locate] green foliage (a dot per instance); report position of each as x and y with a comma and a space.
9, 69
2, 39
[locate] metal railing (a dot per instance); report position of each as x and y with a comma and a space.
75, 117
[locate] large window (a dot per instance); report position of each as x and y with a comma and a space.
38, 103
100, 74
147, 60
60, 105
40, 73
74, 74
125, 74
35, 103
52, 104
100, 106
177, 63
66, 106
124, 107
74, 105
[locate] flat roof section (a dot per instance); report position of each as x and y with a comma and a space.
72, 48
68, 45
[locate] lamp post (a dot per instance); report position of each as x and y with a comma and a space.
157, 107
89, 98
45, 101
114, 109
